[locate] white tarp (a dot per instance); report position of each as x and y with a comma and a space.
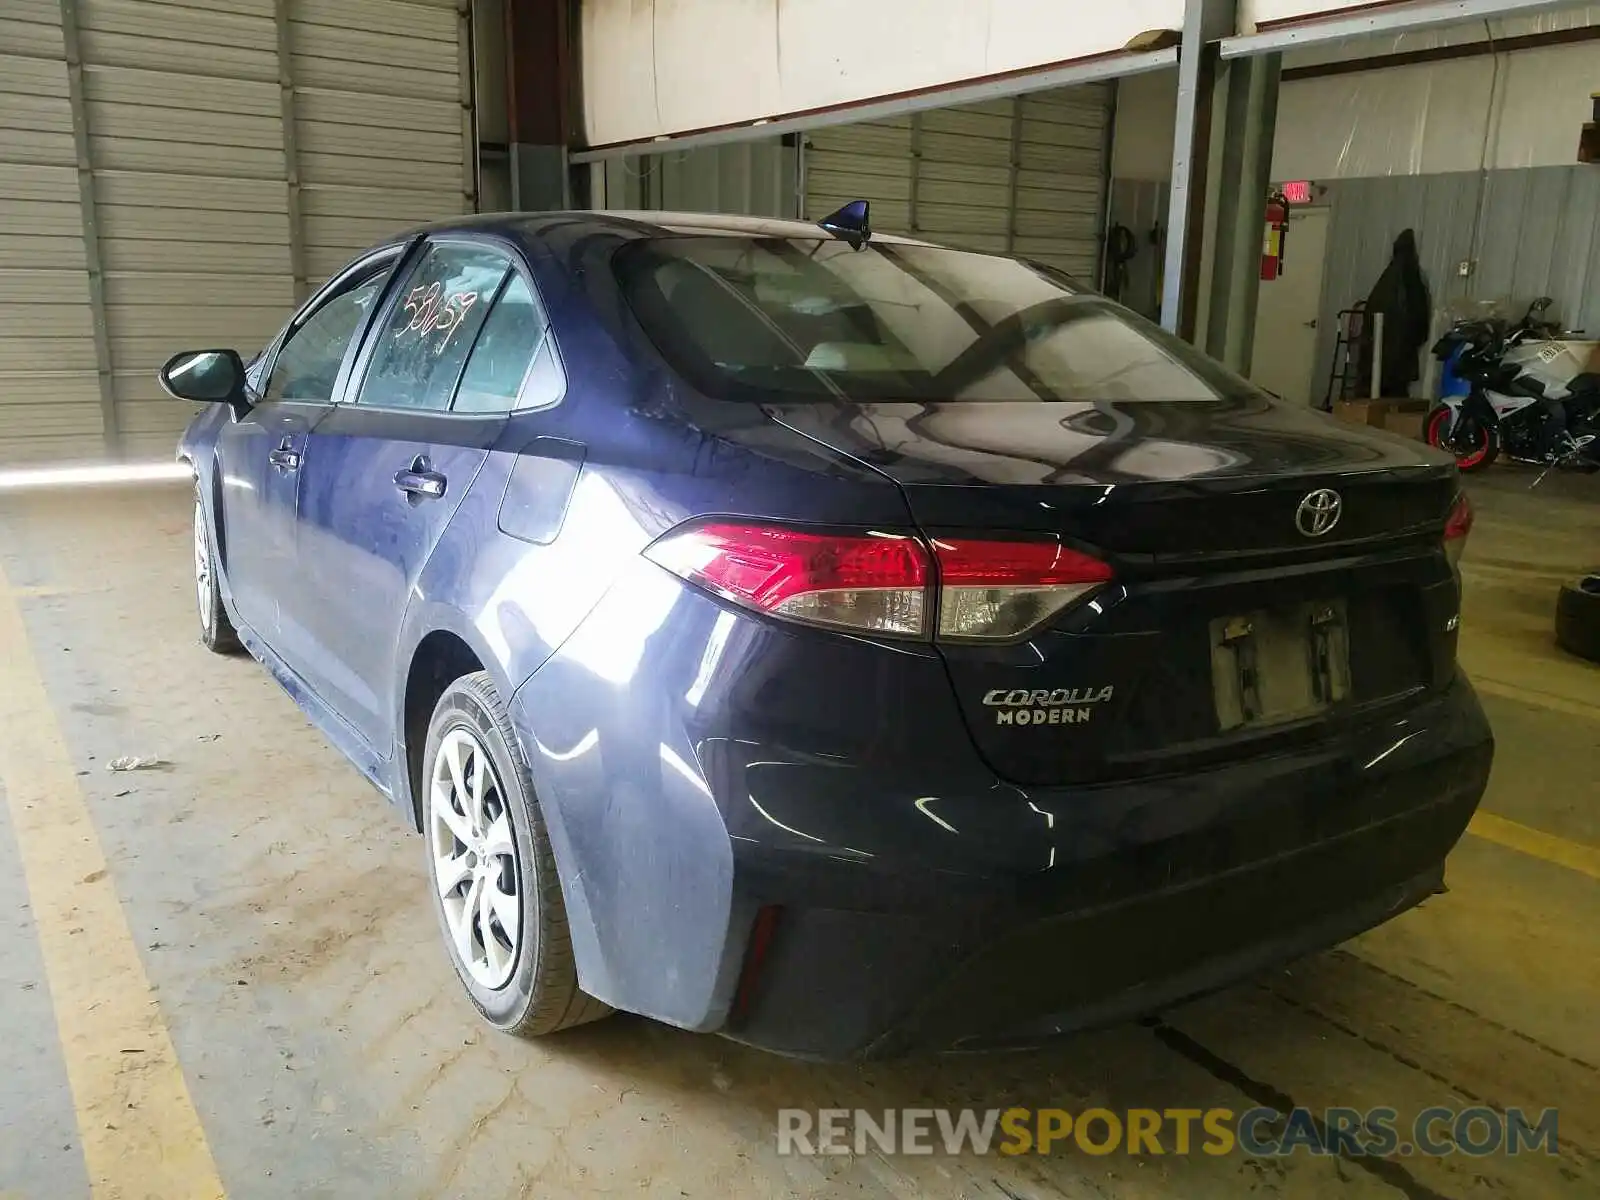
1255, 13
659, 67
1523, 109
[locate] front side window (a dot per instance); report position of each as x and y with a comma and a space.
308, 362
417, 357
794, 319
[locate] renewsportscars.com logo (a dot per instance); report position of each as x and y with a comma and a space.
1258, 1132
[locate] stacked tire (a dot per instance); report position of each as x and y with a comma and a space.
1578, 618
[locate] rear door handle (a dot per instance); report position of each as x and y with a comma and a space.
420, 481
285, 457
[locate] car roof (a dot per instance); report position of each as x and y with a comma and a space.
532, 226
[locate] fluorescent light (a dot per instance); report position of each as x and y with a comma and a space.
21, 478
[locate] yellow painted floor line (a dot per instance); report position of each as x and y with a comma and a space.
47, 592
140, 1133
1575, 856
1547, 700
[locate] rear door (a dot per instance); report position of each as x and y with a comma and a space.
261, 453
386, 471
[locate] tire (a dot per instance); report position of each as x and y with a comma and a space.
1483, 441
1578, 618
217, 633
525, 982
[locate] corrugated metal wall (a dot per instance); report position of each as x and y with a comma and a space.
186, 145
49, 381
870, 161
378, 120
1540, 235
1024, 175
233, 154
757, 178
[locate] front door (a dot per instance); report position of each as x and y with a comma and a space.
384, 475
1285, 352
259, 454
262, 452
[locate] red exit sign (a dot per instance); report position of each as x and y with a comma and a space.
1297, 191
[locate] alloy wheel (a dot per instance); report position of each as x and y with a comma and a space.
475, 863
202, 565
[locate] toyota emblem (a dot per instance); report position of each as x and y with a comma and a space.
1319, 512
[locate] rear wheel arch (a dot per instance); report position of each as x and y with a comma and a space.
439, 659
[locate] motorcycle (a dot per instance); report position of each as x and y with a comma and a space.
1526, 393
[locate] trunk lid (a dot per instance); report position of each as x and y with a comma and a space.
1229, 624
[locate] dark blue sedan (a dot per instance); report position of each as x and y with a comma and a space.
838, 642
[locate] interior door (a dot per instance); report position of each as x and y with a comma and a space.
261, 453
1287, 311
384, 475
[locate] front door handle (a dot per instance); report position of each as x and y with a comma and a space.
285, 457
420, 481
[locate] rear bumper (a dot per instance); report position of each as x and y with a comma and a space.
1297, 855
692, 776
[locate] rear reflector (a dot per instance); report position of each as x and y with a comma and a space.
997, 591
1457, 527
755, 956
871, 583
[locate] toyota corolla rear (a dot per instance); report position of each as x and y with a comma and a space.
1141, 682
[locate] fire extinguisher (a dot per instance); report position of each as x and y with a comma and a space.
1277, 236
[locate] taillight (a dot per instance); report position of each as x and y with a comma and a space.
871, 583
996, 591
881, 583
1457, 527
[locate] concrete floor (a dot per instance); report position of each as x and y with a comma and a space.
263, 936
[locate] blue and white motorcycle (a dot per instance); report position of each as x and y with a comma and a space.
1526, 392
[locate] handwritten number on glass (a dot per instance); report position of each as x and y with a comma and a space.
429, 316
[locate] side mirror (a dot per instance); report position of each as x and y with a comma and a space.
207, 377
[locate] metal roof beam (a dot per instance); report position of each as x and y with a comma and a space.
1390, 18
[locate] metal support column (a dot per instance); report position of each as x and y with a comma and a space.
467, 69
914, 186
110, 427
1014, 174
1250, 119
1102, 259
539, 98
1204, 23
291, 151
800, 175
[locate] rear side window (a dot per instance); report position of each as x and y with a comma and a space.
418, 355
514, 335
794, 319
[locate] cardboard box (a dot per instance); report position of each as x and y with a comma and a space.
1406, 421
1361, 412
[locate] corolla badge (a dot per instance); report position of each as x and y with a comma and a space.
1058, 706
1319, 512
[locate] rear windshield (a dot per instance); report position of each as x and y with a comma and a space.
795, 319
